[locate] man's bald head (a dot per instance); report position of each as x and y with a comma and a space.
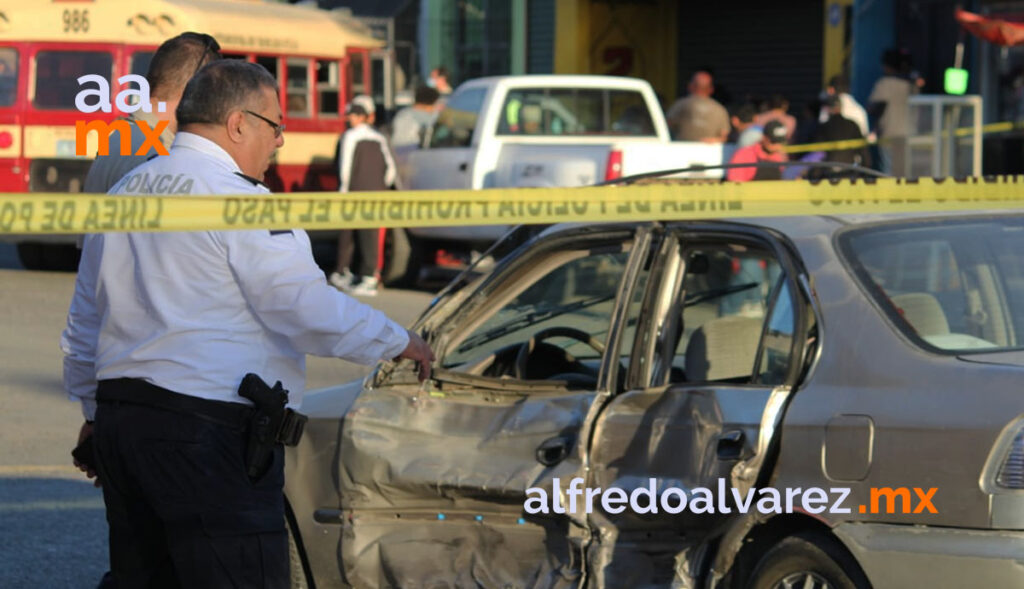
701, 84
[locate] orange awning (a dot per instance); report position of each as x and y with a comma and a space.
1007, 30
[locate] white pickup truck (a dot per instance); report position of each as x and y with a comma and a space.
541, 130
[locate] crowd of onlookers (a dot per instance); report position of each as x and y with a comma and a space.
761, 129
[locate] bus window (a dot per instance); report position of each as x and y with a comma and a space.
8, 76
57, 74
141, 61
355, 74
270, 63
327, 87
298, 88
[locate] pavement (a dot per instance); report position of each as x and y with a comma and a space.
52, 527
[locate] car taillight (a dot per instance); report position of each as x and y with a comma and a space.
1011, 471
613, 169
6, 140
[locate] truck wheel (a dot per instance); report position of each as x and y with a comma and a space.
402, 259
808, 560
49, 256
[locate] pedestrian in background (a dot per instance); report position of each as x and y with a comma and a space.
745, 128
777, 109
439, 80
769, 149
840, 128
164, 326
409, 124
172, 66
849, 108
698, 117
364, 164
888, 105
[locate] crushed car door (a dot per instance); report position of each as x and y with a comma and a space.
433, 479
708, 382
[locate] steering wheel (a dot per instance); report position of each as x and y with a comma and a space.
523, 356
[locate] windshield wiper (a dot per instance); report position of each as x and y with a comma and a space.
528, 320
707, 295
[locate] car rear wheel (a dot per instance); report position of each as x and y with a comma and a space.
808, 561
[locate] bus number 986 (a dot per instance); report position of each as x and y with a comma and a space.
76, 21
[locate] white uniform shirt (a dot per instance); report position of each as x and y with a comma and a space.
194, 312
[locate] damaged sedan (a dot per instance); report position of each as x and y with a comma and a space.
784, 402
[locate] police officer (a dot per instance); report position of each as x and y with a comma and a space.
165, 328
174, 62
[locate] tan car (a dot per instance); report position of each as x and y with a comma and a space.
849, 382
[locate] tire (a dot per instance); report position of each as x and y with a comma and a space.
58, 257
808, 560
403, 259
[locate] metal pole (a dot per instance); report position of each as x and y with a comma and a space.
936, 140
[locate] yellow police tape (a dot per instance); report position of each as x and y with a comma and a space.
987, 129
90, 213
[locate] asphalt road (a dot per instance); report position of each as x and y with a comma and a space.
52, 527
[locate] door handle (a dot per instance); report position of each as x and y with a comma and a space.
463, 166
554, 450
730, 445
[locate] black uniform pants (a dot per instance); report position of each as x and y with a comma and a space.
181, 509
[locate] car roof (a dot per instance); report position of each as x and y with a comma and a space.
796, 227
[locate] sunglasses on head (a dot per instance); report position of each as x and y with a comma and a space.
209, 44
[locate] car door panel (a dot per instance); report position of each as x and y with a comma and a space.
431, 482
433, 478
714, 433
681, 437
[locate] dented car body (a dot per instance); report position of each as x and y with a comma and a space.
845, 354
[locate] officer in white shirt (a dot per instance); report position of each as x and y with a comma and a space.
163, 327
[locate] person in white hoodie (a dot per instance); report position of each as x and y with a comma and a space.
849, 108
364, 163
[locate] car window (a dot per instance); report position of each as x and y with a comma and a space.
573, 290
729, 292
574, 111
456, 121
953, 285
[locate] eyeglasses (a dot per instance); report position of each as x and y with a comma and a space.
278, 128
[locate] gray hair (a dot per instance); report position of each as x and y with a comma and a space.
221, 87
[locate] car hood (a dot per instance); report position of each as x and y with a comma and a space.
331, 402
1007, 358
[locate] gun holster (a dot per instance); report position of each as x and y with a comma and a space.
272, 423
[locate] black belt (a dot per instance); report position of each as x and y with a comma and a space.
134, 391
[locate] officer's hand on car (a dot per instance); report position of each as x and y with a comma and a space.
420, 352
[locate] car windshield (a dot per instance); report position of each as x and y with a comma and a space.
953, 285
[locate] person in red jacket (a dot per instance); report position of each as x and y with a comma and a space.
769, 149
